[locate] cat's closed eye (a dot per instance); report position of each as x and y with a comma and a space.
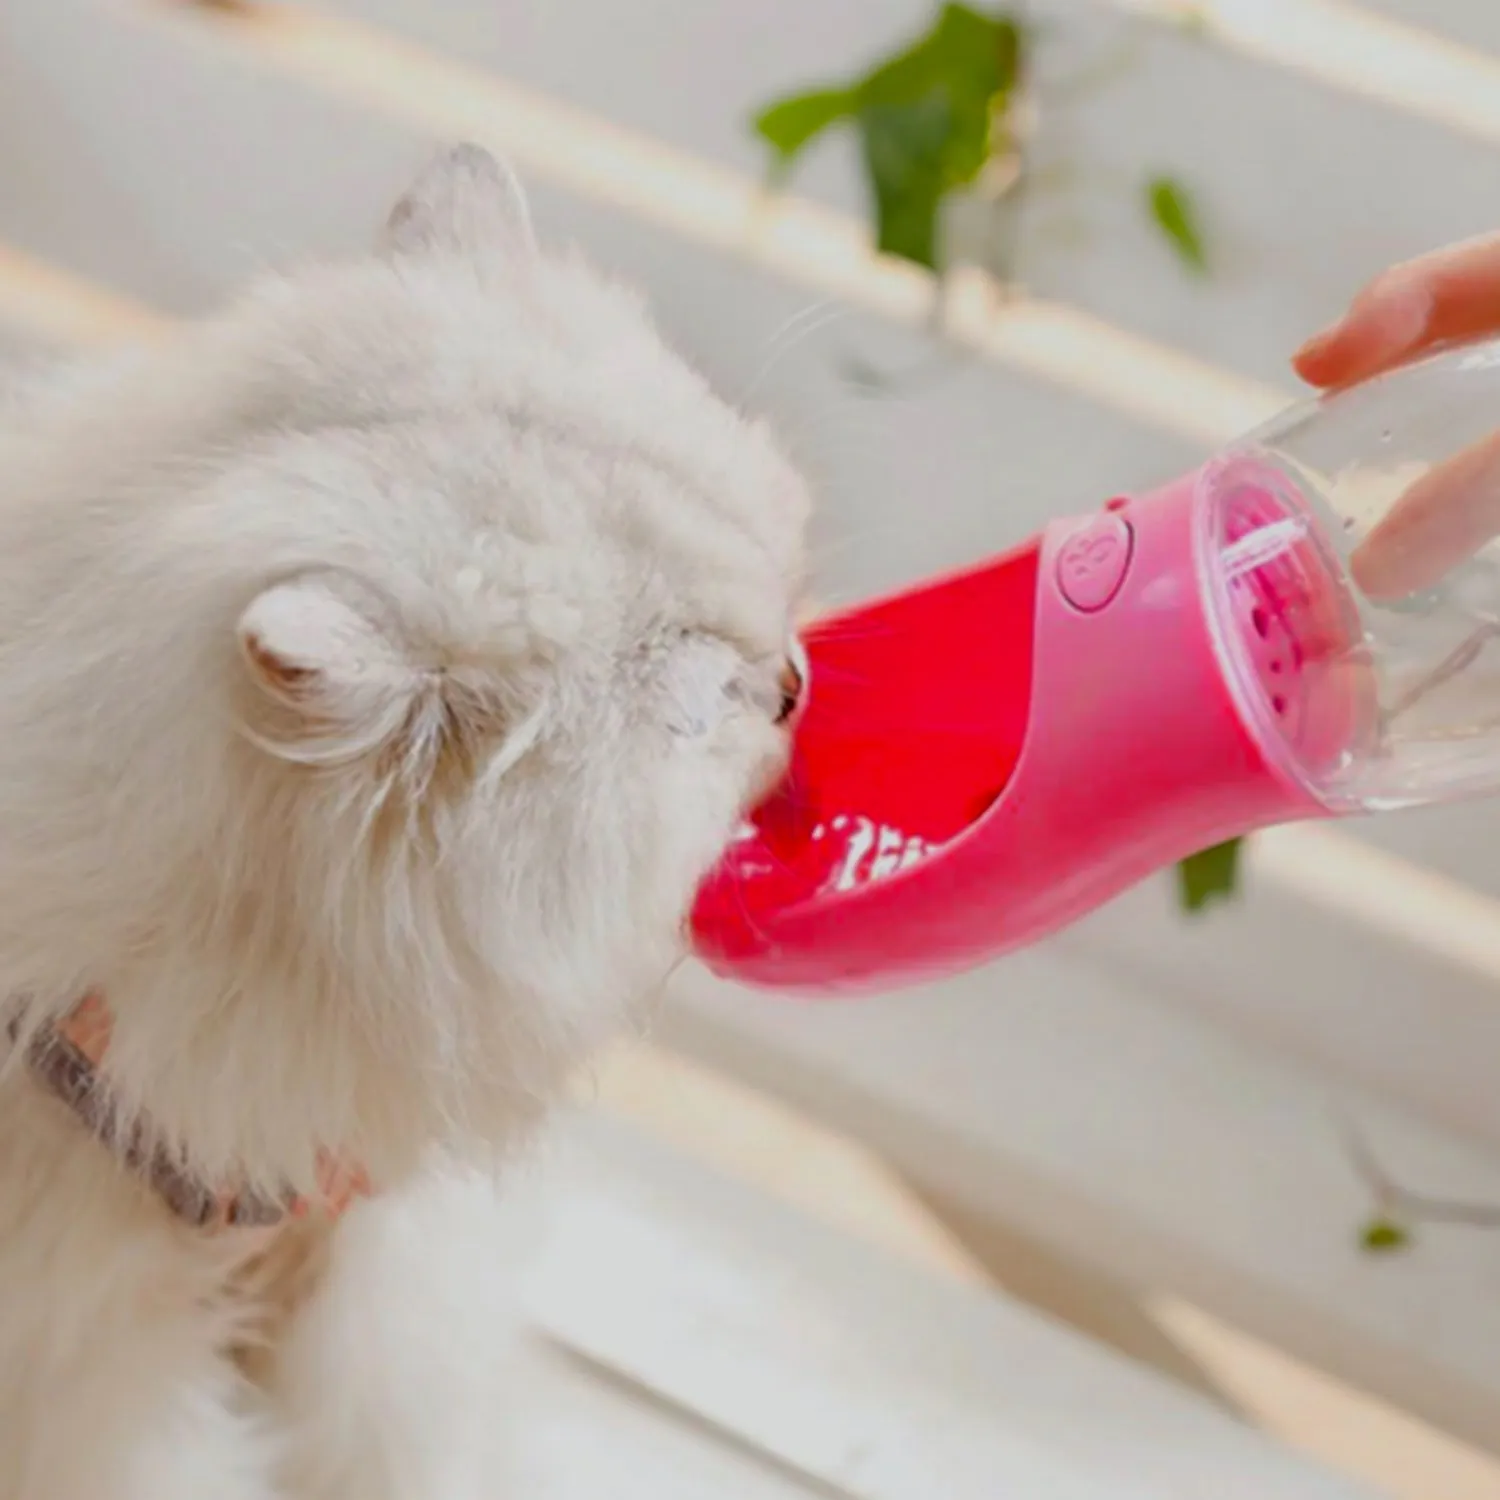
706, 678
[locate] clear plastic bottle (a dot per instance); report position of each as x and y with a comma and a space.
1395, 486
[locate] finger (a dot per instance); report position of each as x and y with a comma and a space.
1439, 522
1387, 322
1451, 294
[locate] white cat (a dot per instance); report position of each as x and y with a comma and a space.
381, 665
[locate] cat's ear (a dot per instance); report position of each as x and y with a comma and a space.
330, 683
465, 202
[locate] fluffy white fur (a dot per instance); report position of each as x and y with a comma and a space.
381, 664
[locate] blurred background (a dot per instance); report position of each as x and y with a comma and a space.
1195, 1200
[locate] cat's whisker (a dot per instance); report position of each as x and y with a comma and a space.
795, 332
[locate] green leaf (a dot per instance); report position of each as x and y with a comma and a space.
926, 118
1209, 876
903, 149
1174, 213
1384, 1236
967, 54
970, 60
791, 124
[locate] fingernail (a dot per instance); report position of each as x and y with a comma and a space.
1405, 318
1377, 574
1318, 342
1388, 324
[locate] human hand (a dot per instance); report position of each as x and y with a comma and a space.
1454, 509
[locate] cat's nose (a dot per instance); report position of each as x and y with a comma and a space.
791, 682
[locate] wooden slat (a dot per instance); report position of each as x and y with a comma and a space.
1352, 47
41, 302
843, 1366
753, 1138
1472, 23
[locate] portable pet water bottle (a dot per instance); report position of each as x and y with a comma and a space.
986, 757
